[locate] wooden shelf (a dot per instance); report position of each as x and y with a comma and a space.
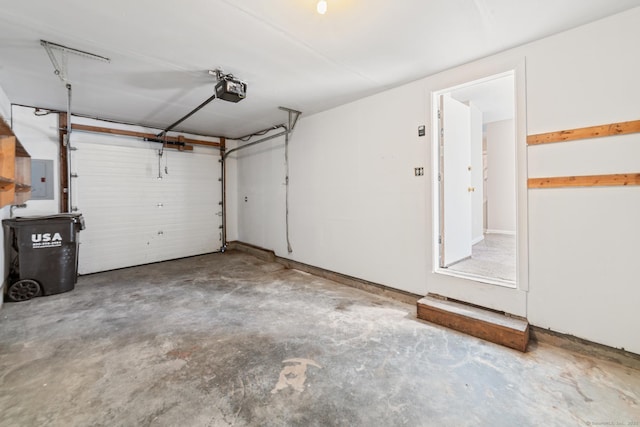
7, 186
15, 169
5, 130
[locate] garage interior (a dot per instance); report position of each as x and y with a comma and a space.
276, 199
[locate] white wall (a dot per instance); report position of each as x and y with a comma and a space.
39, 136
352, 191
357, 209
501, 176
261, 194
584, 241
5, 107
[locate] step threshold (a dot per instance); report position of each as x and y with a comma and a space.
481, 323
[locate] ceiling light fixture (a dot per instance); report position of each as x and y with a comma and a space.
322, 7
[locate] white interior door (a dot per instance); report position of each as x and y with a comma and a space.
133, 217
456, 177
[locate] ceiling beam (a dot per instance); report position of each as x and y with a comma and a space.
176, 141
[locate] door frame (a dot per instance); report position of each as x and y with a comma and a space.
507, 297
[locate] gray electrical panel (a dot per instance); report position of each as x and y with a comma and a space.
41, 179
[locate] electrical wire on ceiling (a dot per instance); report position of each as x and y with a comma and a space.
45, 111
258, 133
41, 112
160, 154
166, 158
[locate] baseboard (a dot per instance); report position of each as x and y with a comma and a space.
256, 251
343, 279
585, 347
477, 240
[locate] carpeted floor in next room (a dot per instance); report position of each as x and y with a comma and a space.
227, 339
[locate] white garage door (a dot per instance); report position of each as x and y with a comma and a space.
134, 218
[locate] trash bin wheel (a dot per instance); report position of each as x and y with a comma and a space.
23, 290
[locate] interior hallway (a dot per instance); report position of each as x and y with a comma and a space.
227, 339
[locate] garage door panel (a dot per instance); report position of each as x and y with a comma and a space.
135, 218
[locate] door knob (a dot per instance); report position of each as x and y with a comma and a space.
471, 189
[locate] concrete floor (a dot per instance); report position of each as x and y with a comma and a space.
227, 339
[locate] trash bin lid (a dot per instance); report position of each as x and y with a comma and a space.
45, 217
24, 220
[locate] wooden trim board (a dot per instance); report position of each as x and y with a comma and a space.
585, 133
63, 175
173, 141
485, 324
625, 179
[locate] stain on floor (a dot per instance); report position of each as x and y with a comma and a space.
205, 341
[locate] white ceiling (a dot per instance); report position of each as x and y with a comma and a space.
494, 97
288, 54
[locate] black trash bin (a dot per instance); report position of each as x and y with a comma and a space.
41, 255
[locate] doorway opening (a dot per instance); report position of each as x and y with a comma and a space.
476, 172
